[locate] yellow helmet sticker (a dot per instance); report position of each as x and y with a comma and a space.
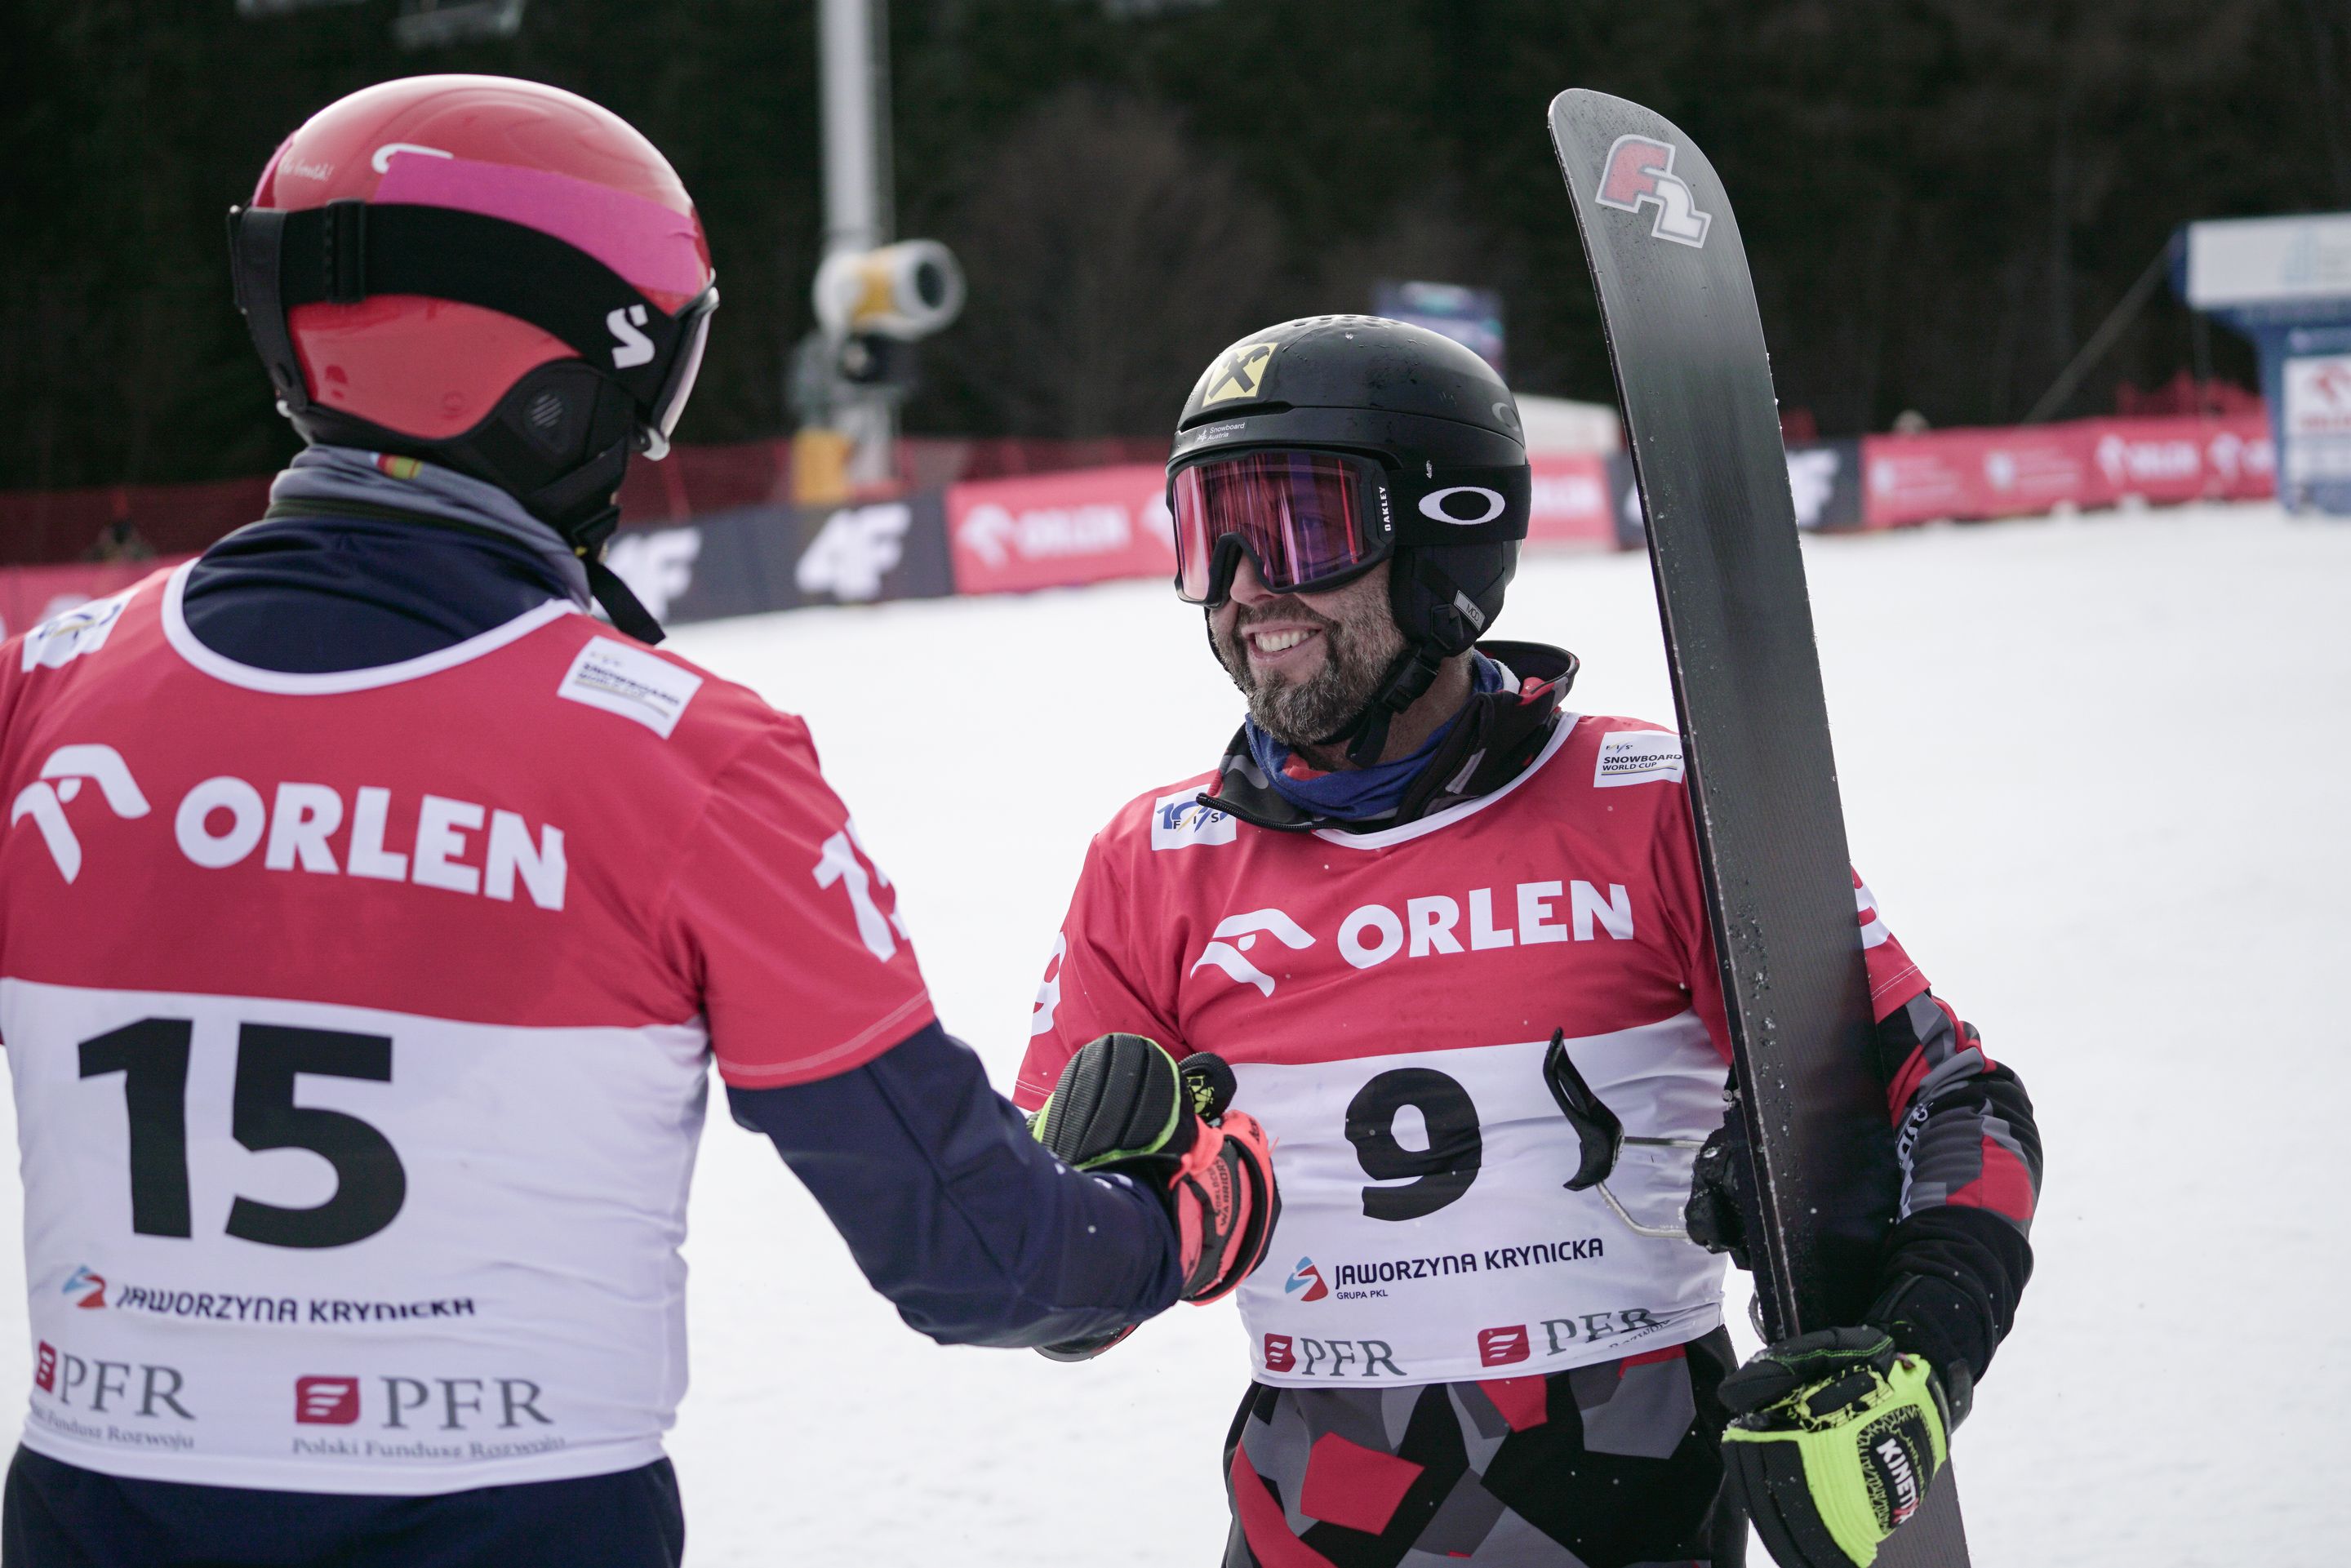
1240, 373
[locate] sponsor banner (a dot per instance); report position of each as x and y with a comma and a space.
1823, 481
1056, 531
1975, 473
757, 559
31, 594
2017, 470
2317, 419
1574, 502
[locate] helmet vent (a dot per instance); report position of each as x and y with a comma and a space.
546, 413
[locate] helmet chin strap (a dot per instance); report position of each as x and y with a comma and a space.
580, 505
1409, 675
1407, 680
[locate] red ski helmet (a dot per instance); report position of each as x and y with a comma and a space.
489, 274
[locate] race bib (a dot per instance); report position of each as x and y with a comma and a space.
1427, 1235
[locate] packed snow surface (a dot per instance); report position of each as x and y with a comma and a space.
2095, 771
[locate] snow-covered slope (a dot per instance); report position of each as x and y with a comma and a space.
2095, 770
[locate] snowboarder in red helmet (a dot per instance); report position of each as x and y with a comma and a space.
356, 1166
493, 275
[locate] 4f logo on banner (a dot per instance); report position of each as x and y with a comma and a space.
1639, 171
46, 802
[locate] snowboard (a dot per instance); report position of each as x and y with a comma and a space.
1686, 342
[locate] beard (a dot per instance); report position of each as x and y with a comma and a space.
1357, 649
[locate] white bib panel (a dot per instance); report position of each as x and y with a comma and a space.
1425, 1236
316, 1248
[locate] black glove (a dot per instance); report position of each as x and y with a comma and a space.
1835, 1439
1123, 1106
1722, 1199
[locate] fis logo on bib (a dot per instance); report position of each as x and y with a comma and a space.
94, 1285
1308, 1279
1183, 819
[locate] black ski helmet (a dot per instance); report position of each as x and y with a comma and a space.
1444, 430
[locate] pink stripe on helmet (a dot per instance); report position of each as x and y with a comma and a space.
641, 240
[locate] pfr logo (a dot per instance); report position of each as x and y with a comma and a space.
83, 1280
326, 1401
1306, 1278
1641, 170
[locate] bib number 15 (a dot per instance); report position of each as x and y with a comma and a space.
371, 1184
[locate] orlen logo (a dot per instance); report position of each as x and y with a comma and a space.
326, 1401
46, 803
83, 1280
1502, 1347
1305, 1278
2125, 462
1244, 930
996, 535
1375, 933
1641, 170
222, 820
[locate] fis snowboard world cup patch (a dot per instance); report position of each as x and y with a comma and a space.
632, 683
1637, 757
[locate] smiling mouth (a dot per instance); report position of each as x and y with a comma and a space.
1268, 643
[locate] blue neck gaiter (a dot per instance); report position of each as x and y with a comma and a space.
1364, 793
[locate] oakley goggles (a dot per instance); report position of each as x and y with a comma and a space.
1308, 520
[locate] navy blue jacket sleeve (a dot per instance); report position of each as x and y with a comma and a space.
955, 1213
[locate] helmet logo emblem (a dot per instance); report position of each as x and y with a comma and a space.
382, 162
633, 347
1240, 373
1641, 170
1439, 505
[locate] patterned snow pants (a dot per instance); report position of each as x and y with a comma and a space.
1613, 1466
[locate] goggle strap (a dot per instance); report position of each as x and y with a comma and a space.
349, 250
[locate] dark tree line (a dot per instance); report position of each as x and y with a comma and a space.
1942, 198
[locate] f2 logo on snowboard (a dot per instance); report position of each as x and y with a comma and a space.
1640, 170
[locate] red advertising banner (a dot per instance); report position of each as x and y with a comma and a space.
1052, 531
2012, 471
31, 594
1572, 503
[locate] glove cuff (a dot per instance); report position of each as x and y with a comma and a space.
1934, 1319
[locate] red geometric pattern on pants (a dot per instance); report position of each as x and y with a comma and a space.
1598, 1467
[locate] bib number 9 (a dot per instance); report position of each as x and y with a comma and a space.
1440, 1173
371, 1184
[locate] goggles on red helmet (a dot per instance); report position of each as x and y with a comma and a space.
347, 250
1308, 520
686, 365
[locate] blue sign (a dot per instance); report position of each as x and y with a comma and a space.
1470, 317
